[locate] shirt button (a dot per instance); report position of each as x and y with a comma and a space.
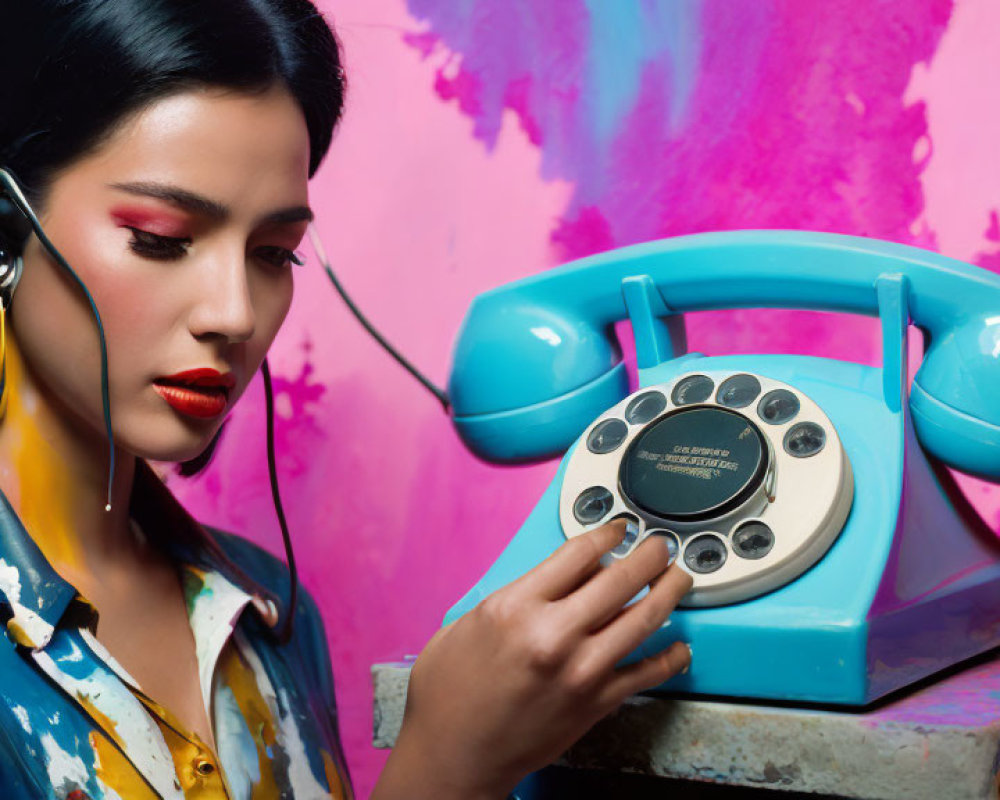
204, 767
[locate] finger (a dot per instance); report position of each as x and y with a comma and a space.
604, 595
638, 622
575, 562
646, 674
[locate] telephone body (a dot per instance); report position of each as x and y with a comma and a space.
834, 560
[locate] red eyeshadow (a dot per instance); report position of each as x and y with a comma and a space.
159, 223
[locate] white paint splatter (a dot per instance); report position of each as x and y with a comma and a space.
22, 716
237, 748
214, 612
36, 629
66, 771
10, 582
134, 729
300, 775
75, 653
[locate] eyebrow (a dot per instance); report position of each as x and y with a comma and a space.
198, 204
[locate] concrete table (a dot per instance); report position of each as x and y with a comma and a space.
938, 742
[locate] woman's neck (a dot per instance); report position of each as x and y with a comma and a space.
53, 470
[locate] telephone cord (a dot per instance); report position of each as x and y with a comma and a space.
440, 394
14, 192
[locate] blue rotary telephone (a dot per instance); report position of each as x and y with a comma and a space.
833, 558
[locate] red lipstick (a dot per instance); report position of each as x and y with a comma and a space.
201, 393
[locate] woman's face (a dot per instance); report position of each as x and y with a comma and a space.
182, 225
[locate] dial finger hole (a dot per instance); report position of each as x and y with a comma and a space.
804, 440
705, 554
592, 505
693, 389
778, 406
753, 540
647, 406
607, 436
739, 391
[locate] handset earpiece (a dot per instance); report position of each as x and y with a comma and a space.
528, 377
14, 230
11, 267
955, 396
536, 361
14, 224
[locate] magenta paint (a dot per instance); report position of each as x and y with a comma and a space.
490, 140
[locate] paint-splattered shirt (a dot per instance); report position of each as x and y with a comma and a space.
74, 724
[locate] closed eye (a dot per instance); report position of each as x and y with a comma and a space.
278, 256
161, 248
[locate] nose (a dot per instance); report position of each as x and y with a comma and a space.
223, 307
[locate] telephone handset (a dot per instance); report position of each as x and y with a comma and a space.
535, 360
828, 553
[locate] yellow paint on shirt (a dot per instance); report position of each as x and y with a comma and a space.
116, 772
108, 725
235, 673
333, 777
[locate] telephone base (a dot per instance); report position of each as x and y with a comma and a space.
909, 587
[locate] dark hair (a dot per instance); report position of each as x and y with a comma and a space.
72, 70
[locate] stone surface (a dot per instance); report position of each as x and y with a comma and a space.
939, 741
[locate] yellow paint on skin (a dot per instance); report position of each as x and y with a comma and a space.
42, 487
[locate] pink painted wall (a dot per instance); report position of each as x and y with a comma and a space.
490, 139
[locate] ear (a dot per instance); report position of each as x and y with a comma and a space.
527, 379
955, 398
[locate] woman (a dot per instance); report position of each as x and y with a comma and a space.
165, 147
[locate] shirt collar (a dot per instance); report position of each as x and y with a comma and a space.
34, 599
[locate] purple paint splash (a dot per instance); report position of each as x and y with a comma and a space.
795, 120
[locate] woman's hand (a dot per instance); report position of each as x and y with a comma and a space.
511, 685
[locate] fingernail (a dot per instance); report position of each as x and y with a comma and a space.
670, 544
687, 667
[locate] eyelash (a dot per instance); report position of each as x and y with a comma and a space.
160, 248
285, 258
171, 248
